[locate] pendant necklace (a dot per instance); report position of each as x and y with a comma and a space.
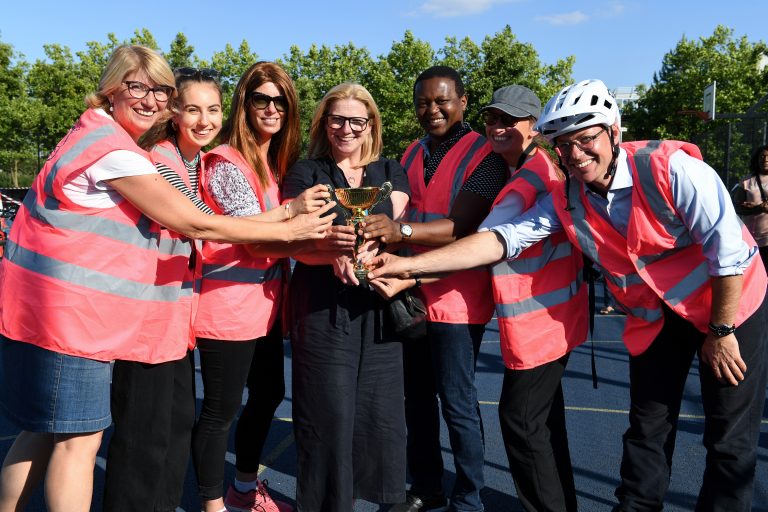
191, 165
352, 180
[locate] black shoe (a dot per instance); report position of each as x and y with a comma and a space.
414, 503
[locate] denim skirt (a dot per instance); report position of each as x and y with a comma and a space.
45, 391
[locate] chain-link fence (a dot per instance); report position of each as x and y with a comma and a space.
728, 147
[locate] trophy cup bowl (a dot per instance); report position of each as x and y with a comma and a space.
356, 202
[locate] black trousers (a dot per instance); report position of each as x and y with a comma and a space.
153, 410
532, 416
226, 367
348, 416
731, 426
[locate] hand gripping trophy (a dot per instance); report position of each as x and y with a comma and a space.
356, 202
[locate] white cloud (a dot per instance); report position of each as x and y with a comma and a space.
616, 8
566, 18
453, 8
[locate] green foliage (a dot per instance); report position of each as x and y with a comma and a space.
41, 100
663, 110
685, 71
181, 54
231, 64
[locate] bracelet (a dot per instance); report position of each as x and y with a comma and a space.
418, 282
287, 207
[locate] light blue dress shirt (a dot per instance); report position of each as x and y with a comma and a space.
700, 199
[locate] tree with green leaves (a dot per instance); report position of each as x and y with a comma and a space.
664, 109
41, 101
685, 71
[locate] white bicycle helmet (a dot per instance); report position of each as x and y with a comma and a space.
584, 104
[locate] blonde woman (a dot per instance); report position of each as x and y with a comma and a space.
347, 371
81, 274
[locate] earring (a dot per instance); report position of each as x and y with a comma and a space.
111, 108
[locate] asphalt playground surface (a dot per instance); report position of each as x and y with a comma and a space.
596, 421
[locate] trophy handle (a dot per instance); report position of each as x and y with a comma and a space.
333, 197
384, 191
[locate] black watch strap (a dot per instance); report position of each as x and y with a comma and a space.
721, 330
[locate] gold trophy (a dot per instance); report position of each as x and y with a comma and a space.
355, 204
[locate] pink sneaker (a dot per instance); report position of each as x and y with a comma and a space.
255, 500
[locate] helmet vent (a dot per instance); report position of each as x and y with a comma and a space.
584, 120
576, 100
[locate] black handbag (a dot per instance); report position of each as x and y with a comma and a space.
408, 316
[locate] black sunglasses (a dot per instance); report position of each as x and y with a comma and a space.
490, 118
260, 101
202, 73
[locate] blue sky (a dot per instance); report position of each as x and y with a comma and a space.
619, 41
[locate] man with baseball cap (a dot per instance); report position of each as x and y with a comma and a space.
541, 306
660, 224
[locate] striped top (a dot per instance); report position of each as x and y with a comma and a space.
175, 180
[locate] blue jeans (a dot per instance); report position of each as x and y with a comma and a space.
445, 367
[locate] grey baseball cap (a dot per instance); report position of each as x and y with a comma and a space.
515, 100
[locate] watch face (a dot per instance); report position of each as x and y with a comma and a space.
406, 230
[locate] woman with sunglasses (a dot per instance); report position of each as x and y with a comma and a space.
87, 272
238, 323
348, 412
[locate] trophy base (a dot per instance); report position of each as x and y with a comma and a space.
362, 275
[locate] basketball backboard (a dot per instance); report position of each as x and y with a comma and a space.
709, 100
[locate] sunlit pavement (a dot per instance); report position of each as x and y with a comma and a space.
596, 421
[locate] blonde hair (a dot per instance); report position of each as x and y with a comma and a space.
124, 61
285, 145
319, 146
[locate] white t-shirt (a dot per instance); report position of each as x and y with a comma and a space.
90, 188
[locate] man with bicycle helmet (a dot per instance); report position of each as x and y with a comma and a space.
659, 223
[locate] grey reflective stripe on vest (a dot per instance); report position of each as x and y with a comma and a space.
461, 169
410, 157
93, 279
175, 247
649, 315
51, 213
75, 151
532, 179
240, 274
167, 153
267, 201
624, 282
525, 265
139, 235
587, 243
416, 216
656, 201
697, 278
540, 302
580, 224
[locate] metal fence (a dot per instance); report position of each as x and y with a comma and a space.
728, 147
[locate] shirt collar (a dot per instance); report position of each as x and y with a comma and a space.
623, 177
456, 132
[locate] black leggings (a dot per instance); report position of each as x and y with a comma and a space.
226, 367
